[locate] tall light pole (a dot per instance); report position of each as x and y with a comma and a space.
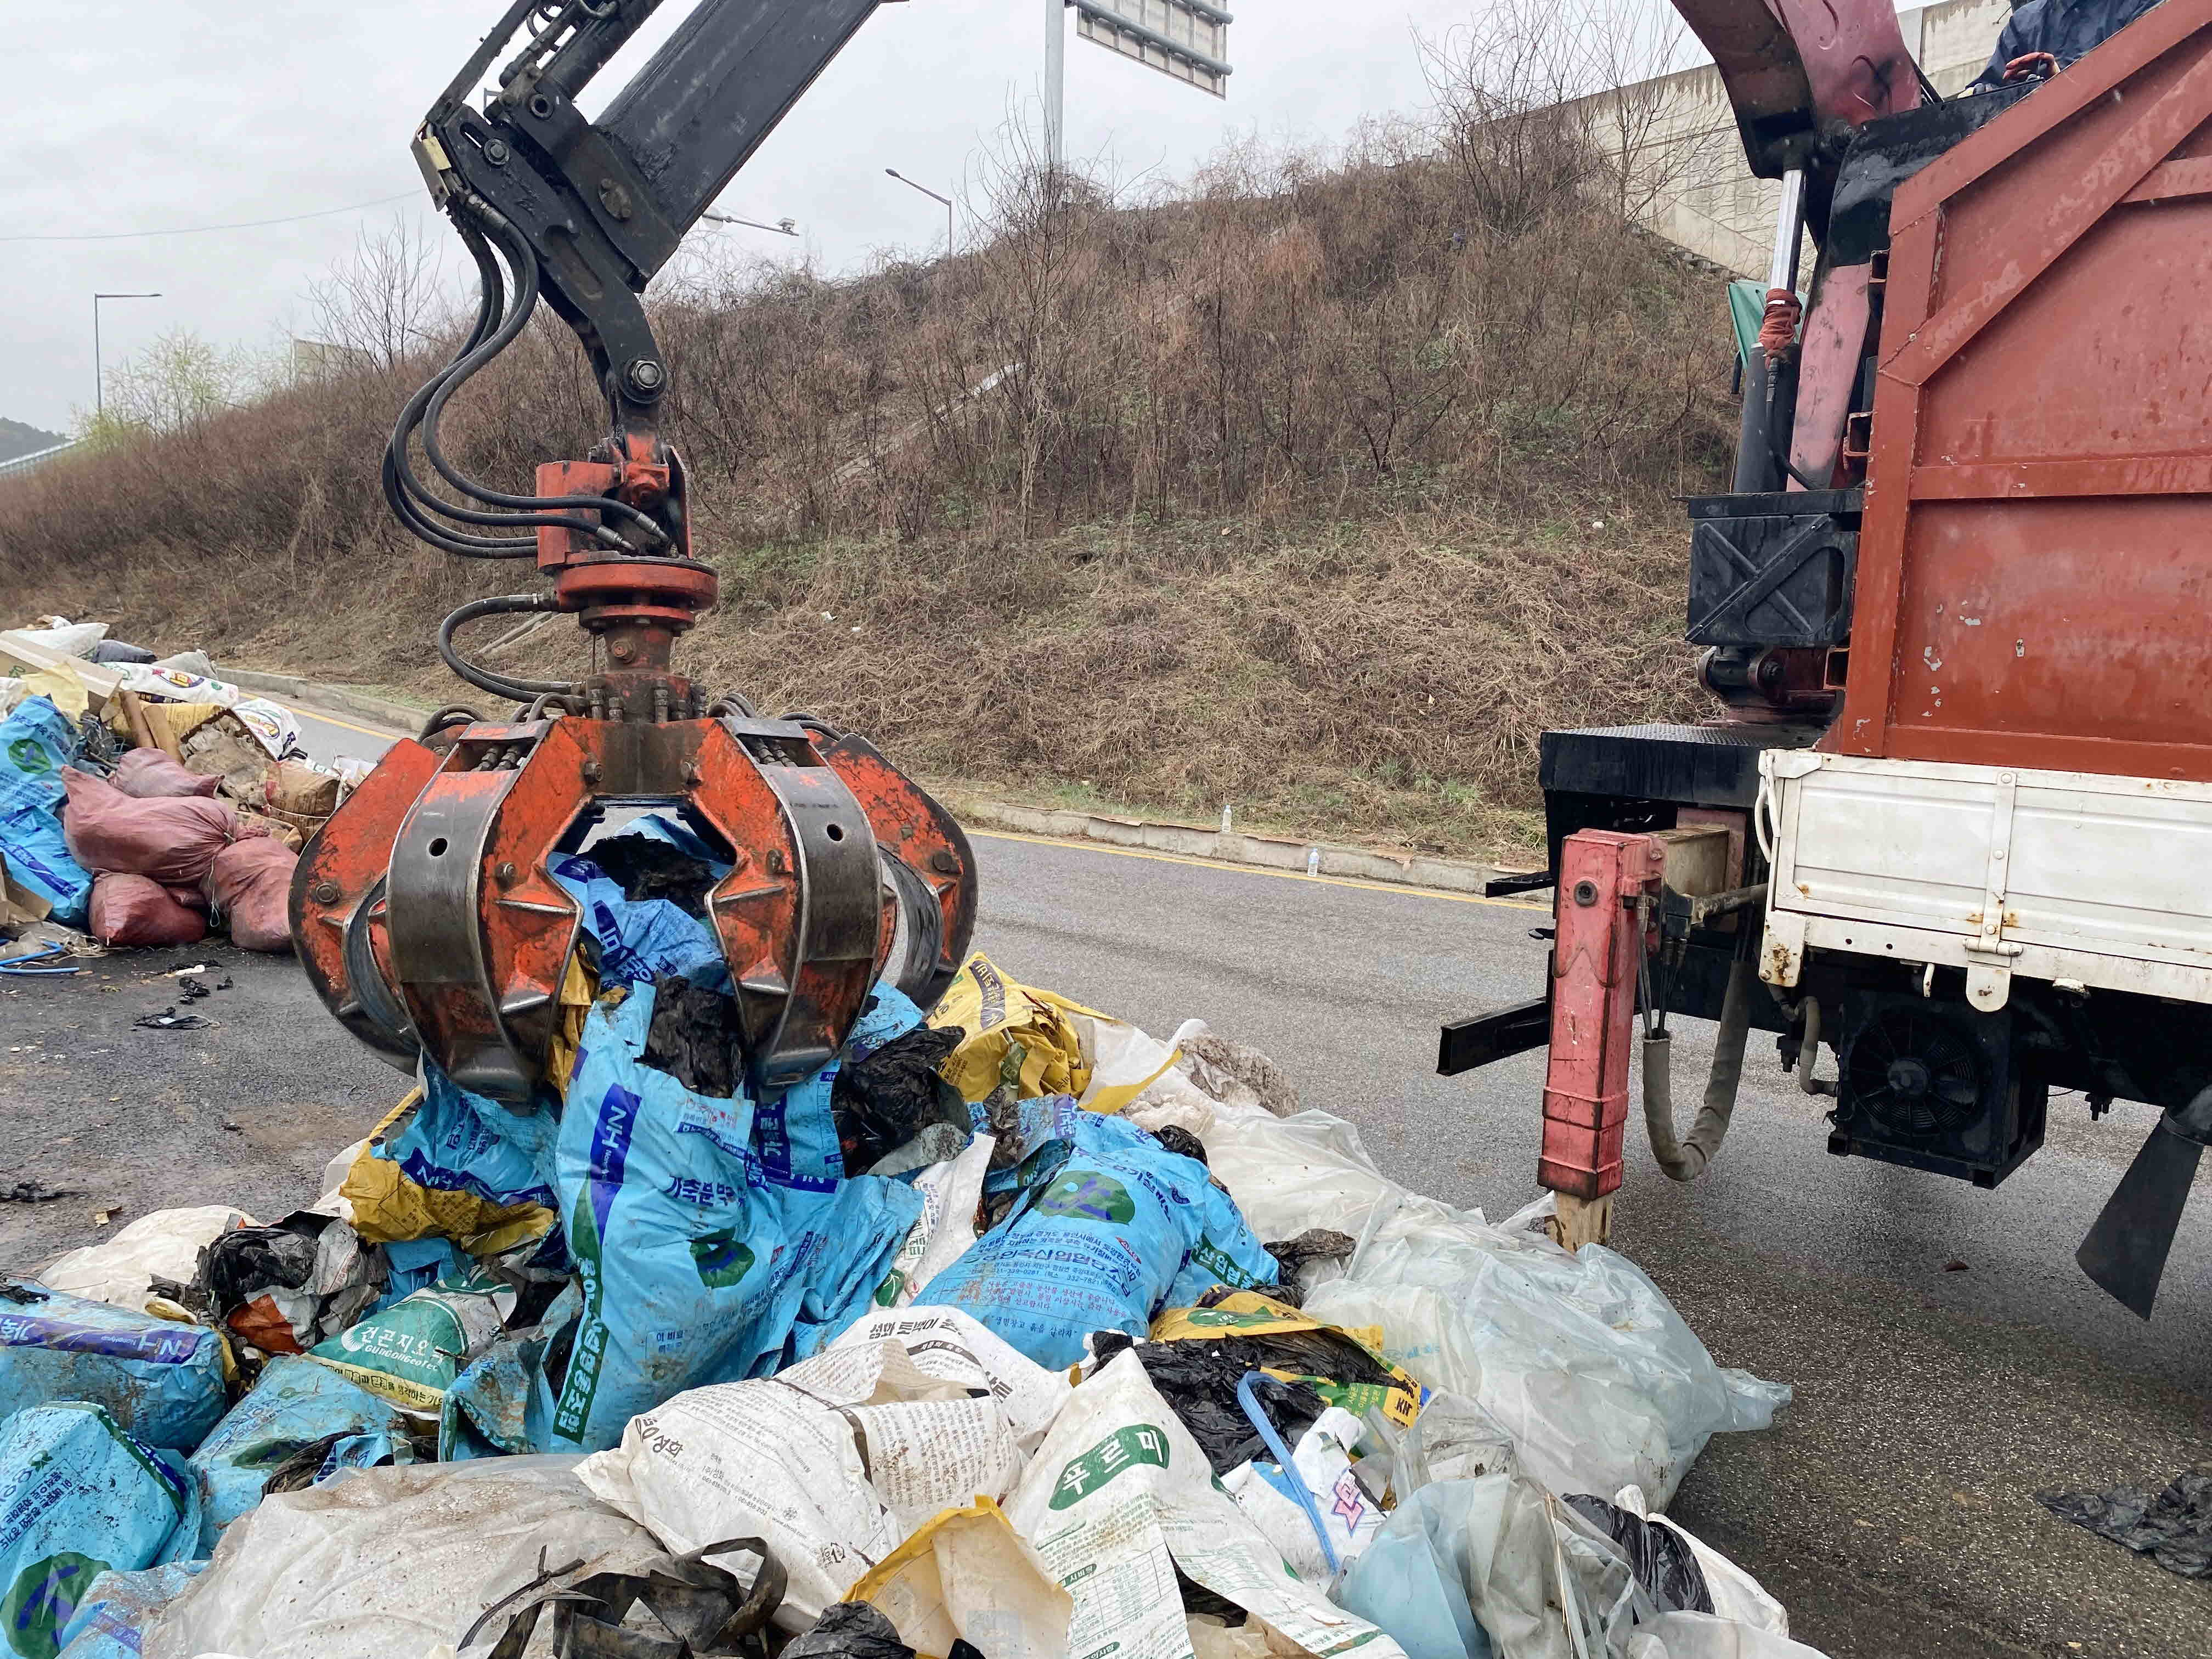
1055, 84
99, 380
934, 196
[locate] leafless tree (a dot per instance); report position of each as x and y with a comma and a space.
386, 301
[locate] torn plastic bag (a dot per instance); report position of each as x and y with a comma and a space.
416, 1264
967, 1575
1247, 1331
411, 1351
146, 772
2172, 1525
1120, 1498
887, 1097
394, 1562
951, 1194
111, 1620
1580, 1356
1108, 1228
1737, 1596
945, 1343
165, 1245
500, 1406
833, 1463
173, 838
37, 742
80, 1497
1454, 1439
285, 1288
1333, 1500
994, 1016
138, 911
1661, 1558
677, 1607
849, 1629
1494, 1565
443, 1165
248, 886
296, 1407
641, 939
160, 1381
713, 1239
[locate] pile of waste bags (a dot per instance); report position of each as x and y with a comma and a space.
1015, 1334
175, 810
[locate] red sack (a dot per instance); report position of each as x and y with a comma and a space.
133, 910
146, 774
250, 885
172, 838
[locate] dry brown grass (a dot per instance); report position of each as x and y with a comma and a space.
1286, 497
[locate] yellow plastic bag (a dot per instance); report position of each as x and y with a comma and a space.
1044, 1043
390, 1208
1248, 1313
966, 1573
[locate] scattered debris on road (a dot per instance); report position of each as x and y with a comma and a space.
2172, 1524
951, 1347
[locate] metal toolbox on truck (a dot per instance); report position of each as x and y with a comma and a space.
2104, 882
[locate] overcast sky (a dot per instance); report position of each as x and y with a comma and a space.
126, 115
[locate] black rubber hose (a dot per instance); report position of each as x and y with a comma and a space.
499, 686
1686, 1160
402, 491
422, 412
523, 262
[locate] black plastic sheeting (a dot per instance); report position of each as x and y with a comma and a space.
2173, 1527
1200, 1379
1659, 1556
883, 1100
695, 1037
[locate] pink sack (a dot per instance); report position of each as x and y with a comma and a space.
133, 910
147, 772
250, 885
172, 838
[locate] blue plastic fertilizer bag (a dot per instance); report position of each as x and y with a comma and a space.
1109, 1228
77, 1497
162, 1381
458, 1142
416, 1264
111, 1621
298, 1404
642, 939
36, 742
713, 1241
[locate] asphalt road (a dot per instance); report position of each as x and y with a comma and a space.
1891, 1508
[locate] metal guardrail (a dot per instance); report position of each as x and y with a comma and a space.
24, 463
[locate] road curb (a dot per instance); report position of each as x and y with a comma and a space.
1232, 847
331, 699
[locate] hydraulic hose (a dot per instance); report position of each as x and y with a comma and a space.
499, 686
1686, 1160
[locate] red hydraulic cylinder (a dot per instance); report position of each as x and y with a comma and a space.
1600, 947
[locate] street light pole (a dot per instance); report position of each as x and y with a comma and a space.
950, 233
1055, 84
99, 378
